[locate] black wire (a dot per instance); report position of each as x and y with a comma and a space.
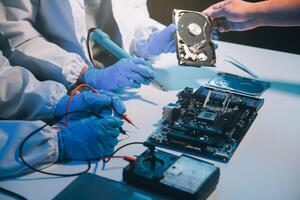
90, 31
51, 123
118, 149
12, 194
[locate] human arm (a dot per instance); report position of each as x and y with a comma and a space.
22, 96
31, 49
237, 15
40, 151
128, 72
279, 13
46, 60
142, 36
86, 139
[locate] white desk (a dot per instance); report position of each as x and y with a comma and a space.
265, 166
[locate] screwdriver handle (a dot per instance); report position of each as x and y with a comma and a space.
104, 40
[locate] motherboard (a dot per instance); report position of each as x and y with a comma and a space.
209, 121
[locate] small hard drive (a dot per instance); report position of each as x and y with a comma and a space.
194, 39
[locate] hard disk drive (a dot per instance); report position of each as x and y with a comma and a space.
194, 39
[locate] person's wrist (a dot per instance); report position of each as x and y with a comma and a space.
86, 77
93, 77
61, 149
81, 75
61, 105
259, 13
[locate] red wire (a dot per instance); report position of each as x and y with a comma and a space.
74, 91
71, 97
129, 159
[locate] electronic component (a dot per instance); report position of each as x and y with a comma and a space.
239, 84
174, 177
194, 39
212, 120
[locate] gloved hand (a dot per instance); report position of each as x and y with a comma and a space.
128, 72
100, 103
162, 41
89, 139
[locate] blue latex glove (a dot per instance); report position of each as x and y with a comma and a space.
128, 72
89, 139
99, 103
162, 41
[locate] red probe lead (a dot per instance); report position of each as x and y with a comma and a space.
123, 116
128, 120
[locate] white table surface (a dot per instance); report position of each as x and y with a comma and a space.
266, 164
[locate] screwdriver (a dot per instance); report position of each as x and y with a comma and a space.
103, 39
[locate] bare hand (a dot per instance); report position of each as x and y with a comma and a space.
233, 15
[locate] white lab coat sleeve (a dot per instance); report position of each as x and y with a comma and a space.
135, 25
22, 96
40, 151
30, 49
